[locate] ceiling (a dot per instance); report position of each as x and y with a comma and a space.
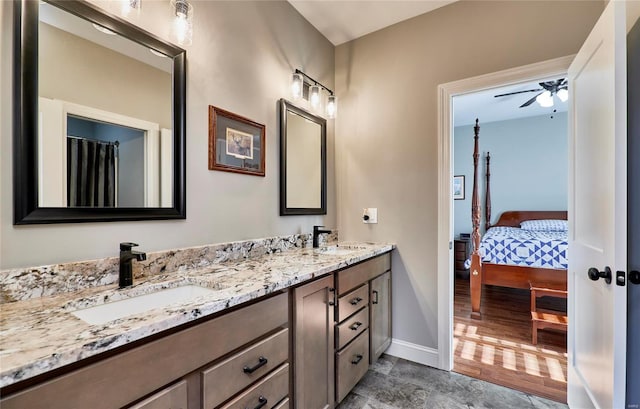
344, 20
483, 104
341, 21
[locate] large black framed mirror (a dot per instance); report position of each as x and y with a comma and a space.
303, 161
87, 147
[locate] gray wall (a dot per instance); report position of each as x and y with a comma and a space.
633, 209
386, 134
528, 166
242, 57
76, 70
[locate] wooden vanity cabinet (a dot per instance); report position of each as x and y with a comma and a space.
313, 341
363, 320
176, 371
380, 311
174, 397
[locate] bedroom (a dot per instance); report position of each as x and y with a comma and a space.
528, 171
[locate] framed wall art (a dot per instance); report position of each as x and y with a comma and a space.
236, 143
458, 187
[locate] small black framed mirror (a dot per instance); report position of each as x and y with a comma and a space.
303, 161
66, 113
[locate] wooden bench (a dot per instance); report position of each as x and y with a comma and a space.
546, 319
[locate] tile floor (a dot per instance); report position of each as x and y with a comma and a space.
394, 383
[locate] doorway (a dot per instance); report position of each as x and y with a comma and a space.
556, 68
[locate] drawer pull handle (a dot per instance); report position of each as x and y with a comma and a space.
261, 362
357, 360
261, 402
355, 301
376, 294
355, 326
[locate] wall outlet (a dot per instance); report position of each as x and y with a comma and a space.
370, 215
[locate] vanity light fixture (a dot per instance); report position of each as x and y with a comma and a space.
182, 29
129, 8
298, 81
332, 106
297, 84
314, 97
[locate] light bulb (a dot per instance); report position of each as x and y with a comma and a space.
314, 96
332, 106
130, 8
563, 94
297, 85
182, 22
545, 99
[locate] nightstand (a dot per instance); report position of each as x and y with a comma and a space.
460, 255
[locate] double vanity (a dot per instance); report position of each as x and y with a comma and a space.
285, 326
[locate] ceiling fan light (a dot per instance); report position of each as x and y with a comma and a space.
545, 99
563, 94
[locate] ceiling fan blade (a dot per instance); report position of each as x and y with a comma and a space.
516, 92
529, 102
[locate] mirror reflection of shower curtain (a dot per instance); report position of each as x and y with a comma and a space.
91, 173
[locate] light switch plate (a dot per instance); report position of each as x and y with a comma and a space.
370, 215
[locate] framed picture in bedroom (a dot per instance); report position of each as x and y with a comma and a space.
458, 187
236, 143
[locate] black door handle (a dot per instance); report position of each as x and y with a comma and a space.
261, 362
634, 277
355, 326
376, 294
357, 359
355, 301
261, 402
595, 274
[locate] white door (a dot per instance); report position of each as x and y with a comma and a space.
598, 213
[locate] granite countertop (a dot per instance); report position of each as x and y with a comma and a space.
42, 334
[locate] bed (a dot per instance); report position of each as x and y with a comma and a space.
508, 255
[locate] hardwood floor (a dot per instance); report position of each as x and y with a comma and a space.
498, 347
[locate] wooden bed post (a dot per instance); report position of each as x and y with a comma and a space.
487, 197
475, 278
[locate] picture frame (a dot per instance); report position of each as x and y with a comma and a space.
236, 143
458, 187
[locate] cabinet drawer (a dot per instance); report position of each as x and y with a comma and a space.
352, 277
268, 392
351, 364
461, 246
352, 302
173, 397
283, 405
352, 327
230, 376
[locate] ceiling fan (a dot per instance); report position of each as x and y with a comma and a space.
545, 98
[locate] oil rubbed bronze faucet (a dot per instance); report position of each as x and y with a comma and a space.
126, 257
316, 233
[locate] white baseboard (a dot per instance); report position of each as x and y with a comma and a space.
413, 352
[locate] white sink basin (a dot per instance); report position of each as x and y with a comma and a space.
103, 313
338, 250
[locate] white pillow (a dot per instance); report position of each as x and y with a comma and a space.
544, 225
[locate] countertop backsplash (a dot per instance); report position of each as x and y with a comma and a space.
32, 282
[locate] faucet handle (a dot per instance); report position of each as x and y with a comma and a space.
127, 246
